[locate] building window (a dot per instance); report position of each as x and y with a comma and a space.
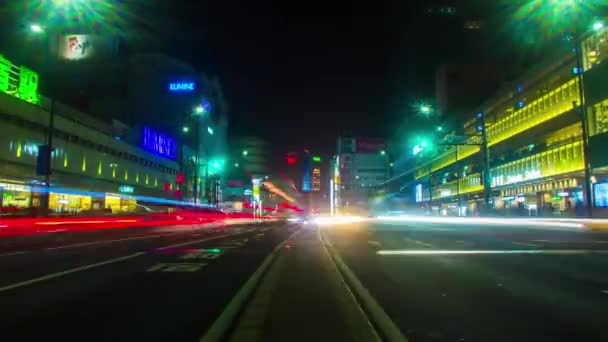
599, 117
595, 49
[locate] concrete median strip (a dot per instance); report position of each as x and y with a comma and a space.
383, 324
220, 328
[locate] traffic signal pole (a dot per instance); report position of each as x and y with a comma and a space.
487, 177
585, 124
46, 197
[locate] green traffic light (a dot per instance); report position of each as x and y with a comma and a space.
598, 26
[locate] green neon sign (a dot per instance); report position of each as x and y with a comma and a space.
19, 82
316, 159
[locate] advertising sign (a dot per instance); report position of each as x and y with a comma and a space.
159, 143
17, 81
370, 145
77, 47
181, 87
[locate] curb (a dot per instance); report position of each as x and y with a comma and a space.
382, 323
221, 326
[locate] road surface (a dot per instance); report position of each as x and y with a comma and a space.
153, 286
553, 285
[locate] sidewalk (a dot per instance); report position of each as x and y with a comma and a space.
303, 298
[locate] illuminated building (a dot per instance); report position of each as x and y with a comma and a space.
92, 169
359, 167
316, 179
535, 139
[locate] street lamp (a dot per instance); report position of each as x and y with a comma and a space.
439, 128
383, 152
36, 28
236, 164
425, 109
598, 25
185, 129
245, 152
199, 110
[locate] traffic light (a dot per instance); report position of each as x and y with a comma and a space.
423, 144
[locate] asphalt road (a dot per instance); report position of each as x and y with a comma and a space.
551, 286
152, 285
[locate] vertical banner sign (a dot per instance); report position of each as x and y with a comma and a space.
256, 188
19, 82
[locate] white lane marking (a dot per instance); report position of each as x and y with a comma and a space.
73, 270
541, 241
524, 244
604, 291
473, 252
418, 242
103, 263
601, 241
374, 243
104, 242
13, 253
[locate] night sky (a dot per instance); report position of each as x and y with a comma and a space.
301, 73
297, 75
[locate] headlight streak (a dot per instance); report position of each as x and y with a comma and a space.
414, 252
570, 223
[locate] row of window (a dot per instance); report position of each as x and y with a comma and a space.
75, 139
554, 103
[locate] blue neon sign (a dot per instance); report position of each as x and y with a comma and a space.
159, 143
182, 87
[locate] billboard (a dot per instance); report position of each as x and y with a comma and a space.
370, 145
18, 81
78, 47
159, 143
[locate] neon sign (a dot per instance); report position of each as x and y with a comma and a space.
126, 189
182, 87
159, 143
19, 82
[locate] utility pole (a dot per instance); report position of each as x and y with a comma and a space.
47, 160
197, 161
585, 124
487, 178
458, 183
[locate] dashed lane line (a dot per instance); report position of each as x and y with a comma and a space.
418, 242
84, 244
524, 244
13, 253
107, 262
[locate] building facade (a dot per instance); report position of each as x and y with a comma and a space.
359, 167
534, 133
95, 165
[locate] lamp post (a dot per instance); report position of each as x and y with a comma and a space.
197, 112
553, 14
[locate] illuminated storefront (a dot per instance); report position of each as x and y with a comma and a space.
69, 203
120, 204
15, 195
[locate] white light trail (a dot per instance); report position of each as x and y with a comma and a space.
474, 252
571, 223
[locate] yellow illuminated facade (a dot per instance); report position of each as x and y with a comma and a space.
534, 136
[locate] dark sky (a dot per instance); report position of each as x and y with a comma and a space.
298, 75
